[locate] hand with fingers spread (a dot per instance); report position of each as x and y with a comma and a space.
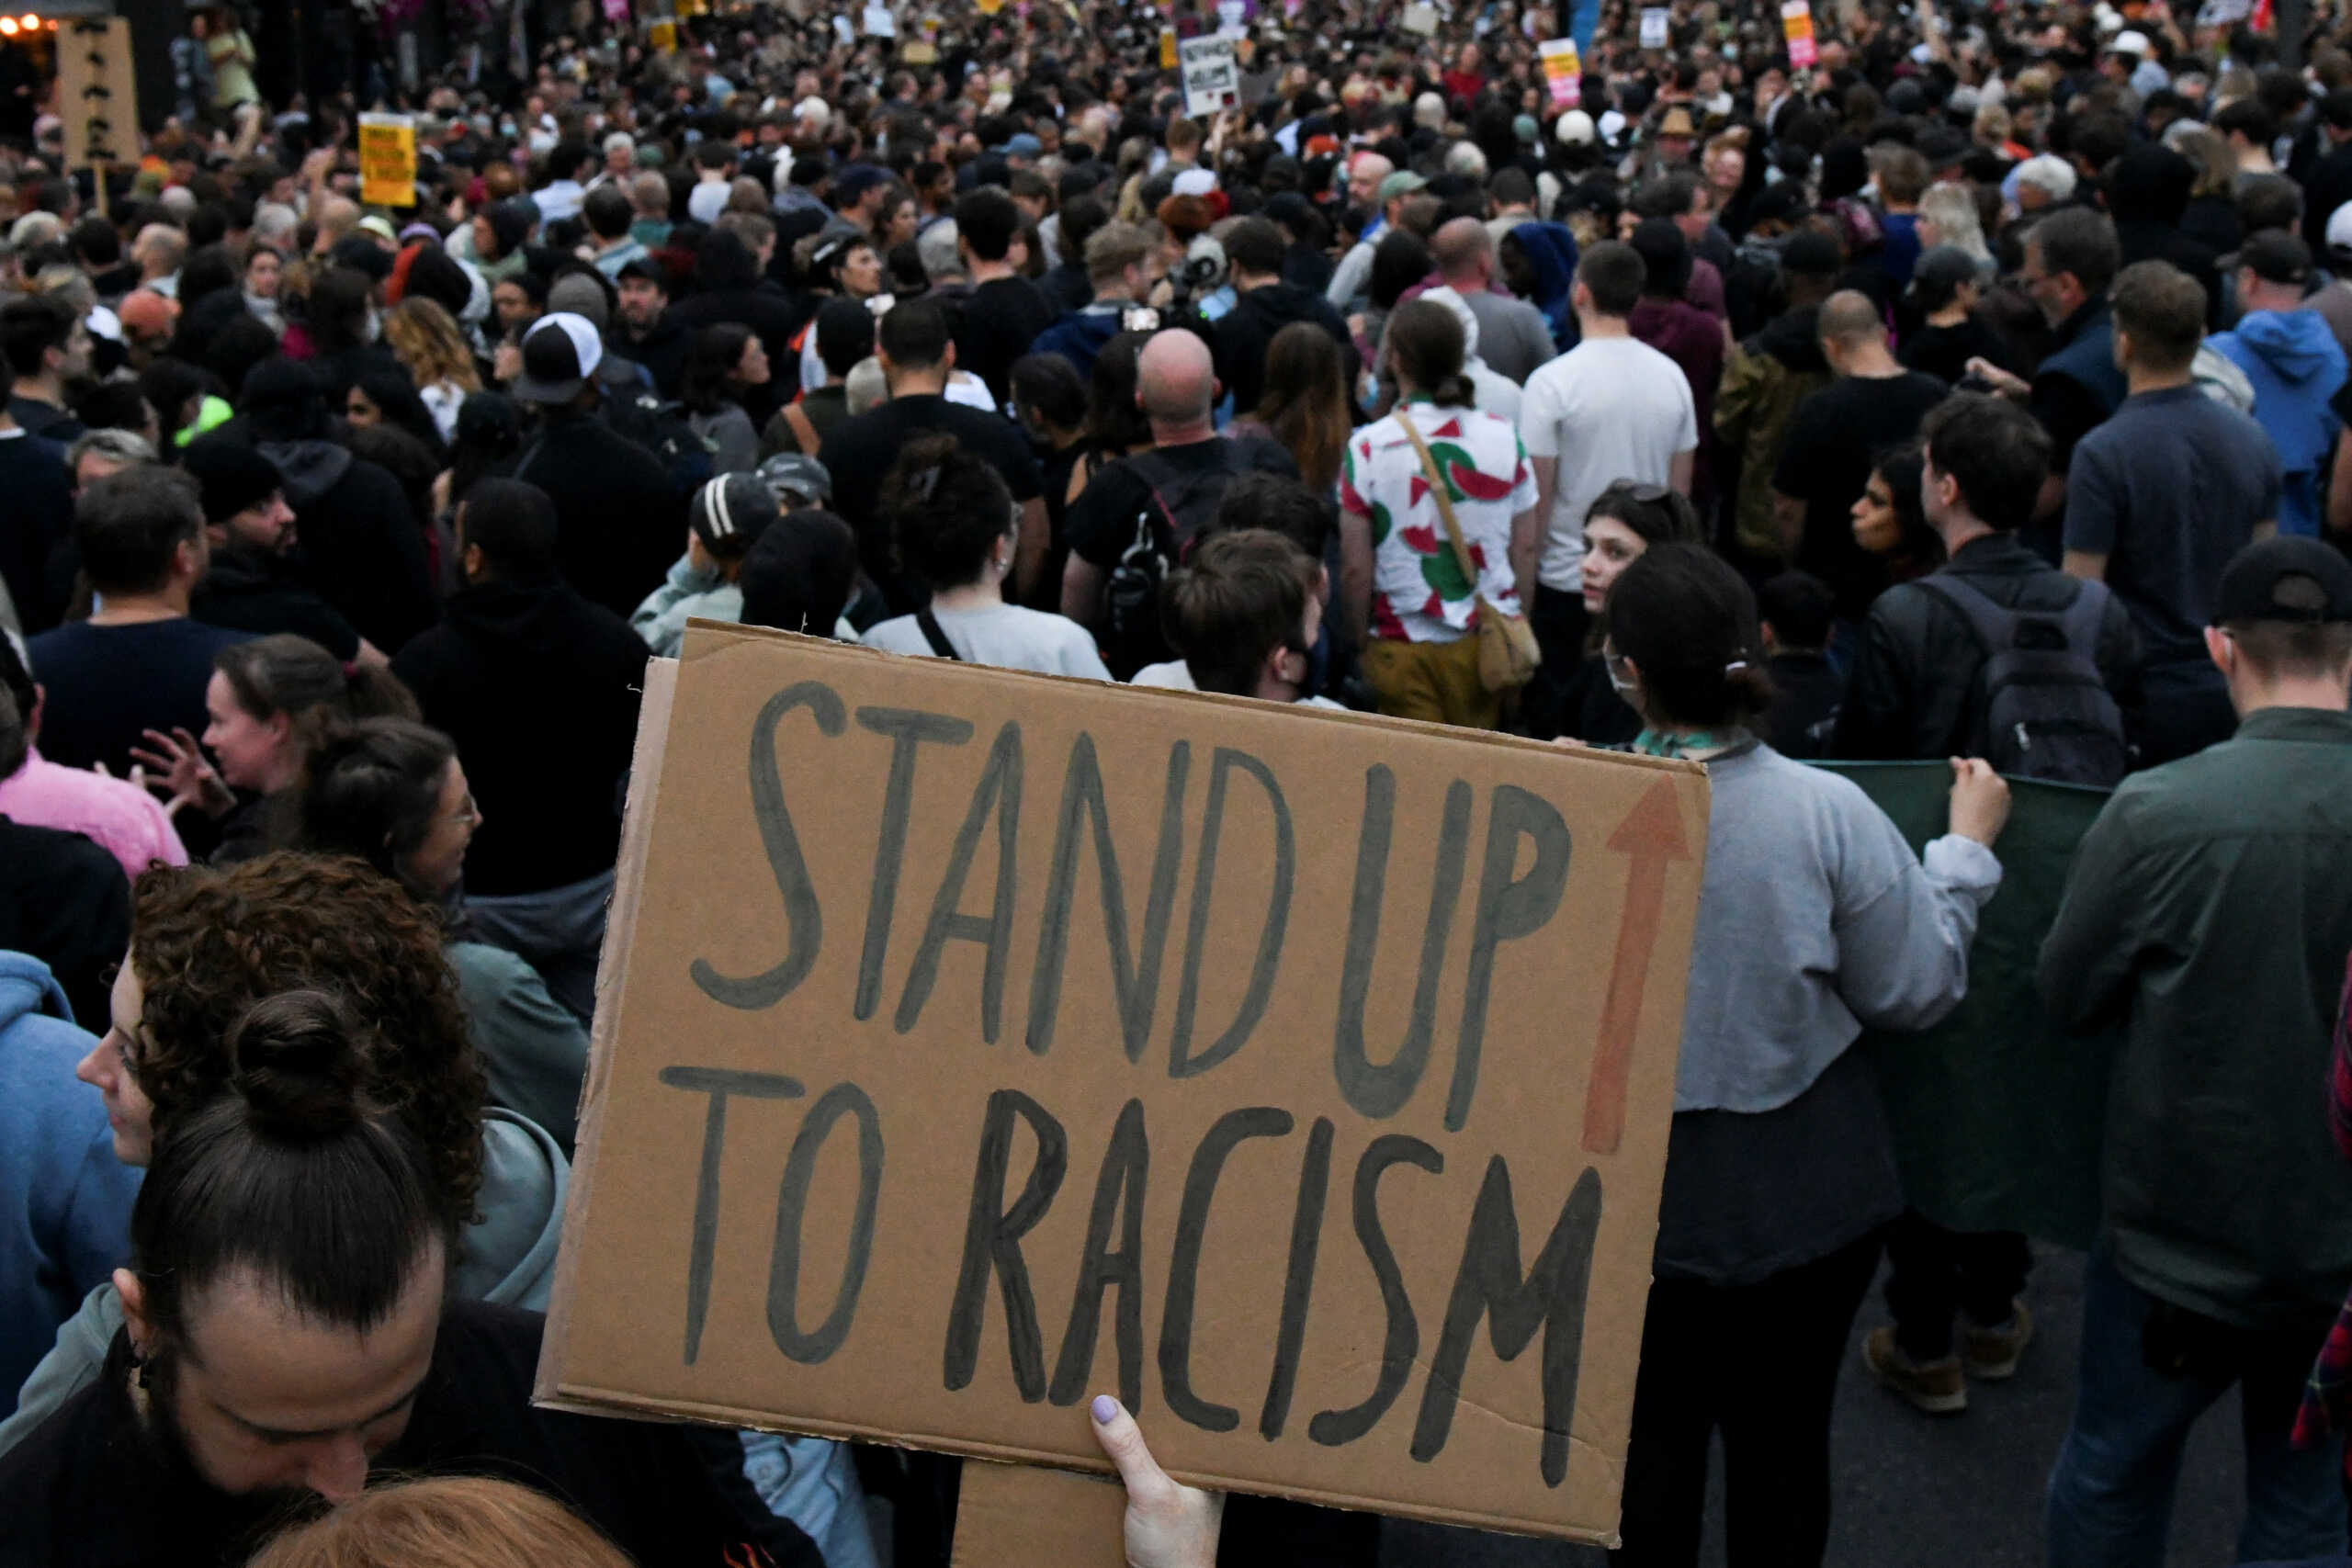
1169, 1525
177, 768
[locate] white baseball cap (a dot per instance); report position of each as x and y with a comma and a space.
2129, 43
1575, 128
1196, 182
2340, 230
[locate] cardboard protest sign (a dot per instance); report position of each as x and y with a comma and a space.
1212, 76
970, 1043
97, 93
1998, 1113
1562, 73
1796, 27
388, 160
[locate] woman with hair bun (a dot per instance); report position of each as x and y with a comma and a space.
208, 944
955, 524
1404, 597
1814, 920
269, 702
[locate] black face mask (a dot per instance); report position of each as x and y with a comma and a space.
240, 1522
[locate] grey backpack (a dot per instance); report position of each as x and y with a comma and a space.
2043, 710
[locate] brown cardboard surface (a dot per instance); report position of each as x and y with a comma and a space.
1018, 1516
880, 1228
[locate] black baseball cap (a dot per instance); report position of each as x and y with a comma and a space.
645, 267
2286, 578
560, 353
2277, 256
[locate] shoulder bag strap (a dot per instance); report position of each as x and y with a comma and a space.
1445, 502
928, 624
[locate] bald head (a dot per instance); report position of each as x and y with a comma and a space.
159, 249
1464, 252
1364, 177
1174, 382
1850, 320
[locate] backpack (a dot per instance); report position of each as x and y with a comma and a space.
2043, 710
1183, 504
663, 429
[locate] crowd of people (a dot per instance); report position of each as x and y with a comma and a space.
1950, 383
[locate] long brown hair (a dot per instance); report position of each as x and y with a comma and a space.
1304, 401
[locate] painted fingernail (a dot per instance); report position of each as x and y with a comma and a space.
1106, 1409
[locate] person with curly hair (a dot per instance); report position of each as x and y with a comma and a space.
434, 354
206, 944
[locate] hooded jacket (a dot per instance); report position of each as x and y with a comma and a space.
619, 511
509, 1260
1765, 379
248, 589
2296, 365
538, 689
1245, 332
1551, 250
65, 1199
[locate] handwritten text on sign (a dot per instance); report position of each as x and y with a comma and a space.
988, 1042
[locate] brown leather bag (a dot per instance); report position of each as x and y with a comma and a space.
1508, 652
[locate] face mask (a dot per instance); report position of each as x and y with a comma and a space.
1626, 690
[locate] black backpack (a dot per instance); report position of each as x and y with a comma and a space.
666, 430
2043, 710
1183, 504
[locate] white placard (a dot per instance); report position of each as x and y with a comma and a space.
1212, 79
1653, 27
879, 23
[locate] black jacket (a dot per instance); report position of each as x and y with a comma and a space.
362, 550
1244, 333
1914, 692
65, 901
248, 590
662, 351
620, 517
92, 1487
538, 688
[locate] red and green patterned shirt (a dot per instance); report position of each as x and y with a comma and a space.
1419, 593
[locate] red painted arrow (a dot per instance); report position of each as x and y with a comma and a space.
1652, 835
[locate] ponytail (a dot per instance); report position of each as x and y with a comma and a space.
1688, 622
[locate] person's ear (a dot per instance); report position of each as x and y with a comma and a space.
134, 1311
1579, 297
2222, 650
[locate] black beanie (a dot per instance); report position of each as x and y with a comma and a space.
232, 475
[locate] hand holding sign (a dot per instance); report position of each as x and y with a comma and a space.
1167, 1525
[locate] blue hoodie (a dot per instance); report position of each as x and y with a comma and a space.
2296, 365
1551, 250
65, 1199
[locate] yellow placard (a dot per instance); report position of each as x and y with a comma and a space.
1168, 49
388, 160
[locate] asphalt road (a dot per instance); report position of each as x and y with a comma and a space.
1920, 1492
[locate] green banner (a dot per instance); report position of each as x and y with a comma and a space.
1998, 1112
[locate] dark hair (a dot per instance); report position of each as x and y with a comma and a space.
29, 328
946, 507
1114, 421
608, 210
1687, 621
128, 524
2079, 242
1240, 596
290, 1173
1613, 273
95, 242
914, 335
1427, 343
707, 384
1668, 196
1900, 466
396, 397
1398, 262
514, 525
113, 405
1298, 512
986, 220
338, 309
371, 791
284, 674
1666, 257
490, 429
800, 573
2269, 201
207, 942
1255, 246
1081, 217
1047, 385
1996, 452
1799, 607
1303, 400
2249, 118
844, 331
2162, 310
1657, 515
208, 270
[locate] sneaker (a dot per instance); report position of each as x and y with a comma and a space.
1992, 1353
1936, 1388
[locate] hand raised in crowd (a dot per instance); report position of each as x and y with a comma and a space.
177, 771
1980, 800
1169, 1525
2000, 381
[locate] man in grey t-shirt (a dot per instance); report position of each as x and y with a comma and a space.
2158, 500
1513, 338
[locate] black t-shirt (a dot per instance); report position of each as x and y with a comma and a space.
859, 453
90, 1485
65, 901
1833, 440
40, 513
109, 685
1102, 520
1002, 318
1944, 352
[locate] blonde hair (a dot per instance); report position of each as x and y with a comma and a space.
2216, 159
1952, 210
429, 344
451, 1522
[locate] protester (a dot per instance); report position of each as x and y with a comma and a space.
725, 366
118, 815
1626, 520
724, 520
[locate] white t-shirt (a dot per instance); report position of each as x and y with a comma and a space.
1009, 637
1176, 675
1610, 409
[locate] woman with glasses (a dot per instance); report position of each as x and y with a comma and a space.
1403, 595
391, 793
1623, 522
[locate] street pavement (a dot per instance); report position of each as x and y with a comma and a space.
1918, 1492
